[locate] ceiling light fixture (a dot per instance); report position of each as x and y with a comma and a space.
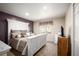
45, 7
27, 14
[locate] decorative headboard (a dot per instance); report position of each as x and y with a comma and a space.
12, 31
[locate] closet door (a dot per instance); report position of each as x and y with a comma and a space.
4, 31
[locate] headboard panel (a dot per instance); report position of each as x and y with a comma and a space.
23, 31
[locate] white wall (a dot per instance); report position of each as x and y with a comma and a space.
57, 23
69, 24
68, 20
76, 19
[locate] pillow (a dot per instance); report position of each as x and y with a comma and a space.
28, 34
23, 35
16, 35
19, 35
32, 34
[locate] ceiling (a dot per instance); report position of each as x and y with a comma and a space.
35, 11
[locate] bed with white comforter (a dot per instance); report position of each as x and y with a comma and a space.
29, 45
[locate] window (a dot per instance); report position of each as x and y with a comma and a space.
46, 27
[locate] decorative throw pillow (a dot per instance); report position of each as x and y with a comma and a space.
18, 36
23, 35
28, 34
15, 35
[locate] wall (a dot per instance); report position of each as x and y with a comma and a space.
68, 20
76, 30
69, 24
3, 31
56, 27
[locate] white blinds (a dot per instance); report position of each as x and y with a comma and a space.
46, 26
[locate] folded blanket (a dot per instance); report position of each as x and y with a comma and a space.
19, 44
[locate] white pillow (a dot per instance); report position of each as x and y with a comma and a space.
28, 34
19, 36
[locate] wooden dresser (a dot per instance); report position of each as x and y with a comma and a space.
64, 46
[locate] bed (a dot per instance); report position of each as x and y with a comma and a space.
27, 44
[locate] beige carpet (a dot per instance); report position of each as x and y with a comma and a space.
50, 49
13, 52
